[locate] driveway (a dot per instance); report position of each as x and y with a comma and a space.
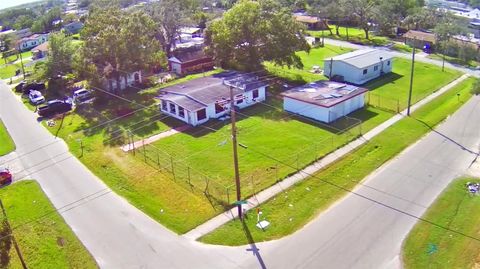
364, 230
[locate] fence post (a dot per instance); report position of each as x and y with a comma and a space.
398, 106
144, 152
158, 160
173, 171
228, 195
379, 101
188, 176
298, 166
276, 172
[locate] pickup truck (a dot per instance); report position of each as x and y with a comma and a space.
54, 107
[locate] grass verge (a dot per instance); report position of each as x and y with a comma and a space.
6, 142
429, 246
44, 238
299, 204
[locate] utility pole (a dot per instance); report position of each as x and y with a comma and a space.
21, 61
17, 248
411, 78
235, 154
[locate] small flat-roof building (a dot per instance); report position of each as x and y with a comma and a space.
40, 51
324, 101
419, 39
358, 67
196, 101
312, 23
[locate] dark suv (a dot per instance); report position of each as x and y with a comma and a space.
54, 107
34, 86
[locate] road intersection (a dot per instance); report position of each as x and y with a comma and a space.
363, 230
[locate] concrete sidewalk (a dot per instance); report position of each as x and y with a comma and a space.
272, 191
154, 138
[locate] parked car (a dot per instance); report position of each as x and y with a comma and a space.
5, 177
54, 107
34, 86
36, 97
81, 96
19, 87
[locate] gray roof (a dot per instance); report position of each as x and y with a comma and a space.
363, 58
199, 93
324, 93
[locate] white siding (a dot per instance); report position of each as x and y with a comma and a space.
355, 75
191, 116
323, 114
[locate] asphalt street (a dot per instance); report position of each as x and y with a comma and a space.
363, 230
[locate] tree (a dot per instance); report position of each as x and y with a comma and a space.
60, 53
390, 14
421, 18
253, 32
169, 16
363, 12
116, 43
448, 27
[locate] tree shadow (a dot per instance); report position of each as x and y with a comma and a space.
389, 78
253, 247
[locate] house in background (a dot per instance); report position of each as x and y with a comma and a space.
129, 80
32, 41
420, 40
40, 51
189, 37
196, 101
312, 23
184, 62
324, 101
73, 27
358, 67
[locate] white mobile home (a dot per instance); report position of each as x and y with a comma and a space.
360, 66
196, 101
324, 101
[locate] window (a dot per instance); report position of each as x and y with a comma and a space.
164, 105
172, 109
388, 63
239, 99
201, 114
219, 108
255, 94
181, 112
375, 68
364, 71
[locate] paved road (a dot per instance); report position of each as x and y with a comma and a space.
361, 233
116, 233
463, 69
355, 233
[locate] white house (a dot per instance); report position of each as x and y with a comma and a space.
125, 81
198, 100
32, 41
324, 101
360, 66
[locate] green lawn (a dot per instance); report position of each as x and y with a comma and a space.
6, 142
14, 57
392, 89
448, 243
44, 238
453, 60
152, 191
7, 71
315, 57
355, 35
264, 127
312, 196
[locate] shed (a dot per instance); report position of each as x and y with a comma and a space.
190, 61
324, 101
360, 66
419, 39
